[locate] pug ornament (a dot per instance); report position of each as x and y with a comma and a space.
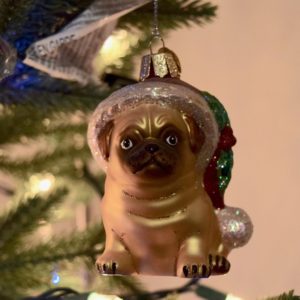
166, 150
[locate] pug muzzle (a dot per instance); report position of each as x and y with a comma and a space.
152, 153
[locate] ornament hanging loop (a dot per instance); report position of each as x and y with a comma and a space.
155, 28
164, 62
152, 41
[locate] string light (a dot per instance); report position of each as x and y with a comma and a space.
40, 183
95, 296
116, 46
232, 297
55, 279
44, 185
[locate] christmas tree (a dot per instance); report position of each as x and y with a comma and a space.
43, 149
50, 115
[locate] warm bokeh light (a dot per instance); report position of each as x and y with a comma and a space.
118, 45
95, 296
44, 185
40, 183
232, 297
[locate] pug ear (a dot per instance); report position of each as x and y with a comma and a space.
196, 135
104, 139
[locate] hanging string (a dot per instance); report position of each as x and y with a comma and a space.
155, 29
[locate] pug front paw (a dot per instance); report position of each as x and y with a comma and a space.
111, 263
193, 267
196, 271
109, 267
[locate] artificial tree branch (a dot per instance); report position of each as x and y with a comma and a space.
172, 14
47, 161
12, 11
22, 220
83, 244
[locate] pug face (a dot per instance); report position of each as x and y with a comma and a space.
151, 142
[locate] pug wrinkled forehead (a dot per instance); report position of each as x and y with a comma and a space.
184, 100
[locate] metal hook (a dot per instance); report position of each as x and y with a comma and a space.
151, 42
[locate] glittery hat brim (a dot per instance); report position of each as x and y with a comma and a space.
182, 98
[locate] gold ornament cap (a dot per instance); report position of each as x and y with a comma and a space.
164, 63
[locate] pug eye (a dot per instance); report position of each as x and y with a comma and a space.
172, 140
126, 144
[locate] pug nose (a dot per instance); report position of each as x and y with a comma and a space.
151, 148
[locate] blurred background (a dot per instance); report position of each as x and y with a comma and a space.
249, 58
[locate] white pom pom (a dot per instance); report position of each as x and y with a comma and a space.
235, 225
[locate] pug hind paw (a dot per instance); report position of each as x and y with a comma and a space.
219, 264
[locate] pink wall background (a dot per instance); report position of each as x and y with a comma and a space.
249, 57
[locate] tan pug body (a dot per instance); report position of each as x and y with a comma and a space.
157, 216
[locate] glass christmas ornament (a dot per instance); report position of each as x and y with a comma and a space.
165, 147
8, 59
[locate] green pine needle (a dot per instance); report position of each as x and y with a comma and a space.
28, 119
26, 267
14, 14
285, 296
172, 14
75, 245
10, 133
12, 11
30, 267
22, 220
59, 162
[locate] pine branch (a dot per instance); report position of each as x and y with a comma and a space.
39, 260
5, 297
60, 161
286, 296
172, 15
13, 11
23, 219
27, 119
73, 246
40, 19
15, 285
33, 130
51, 101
